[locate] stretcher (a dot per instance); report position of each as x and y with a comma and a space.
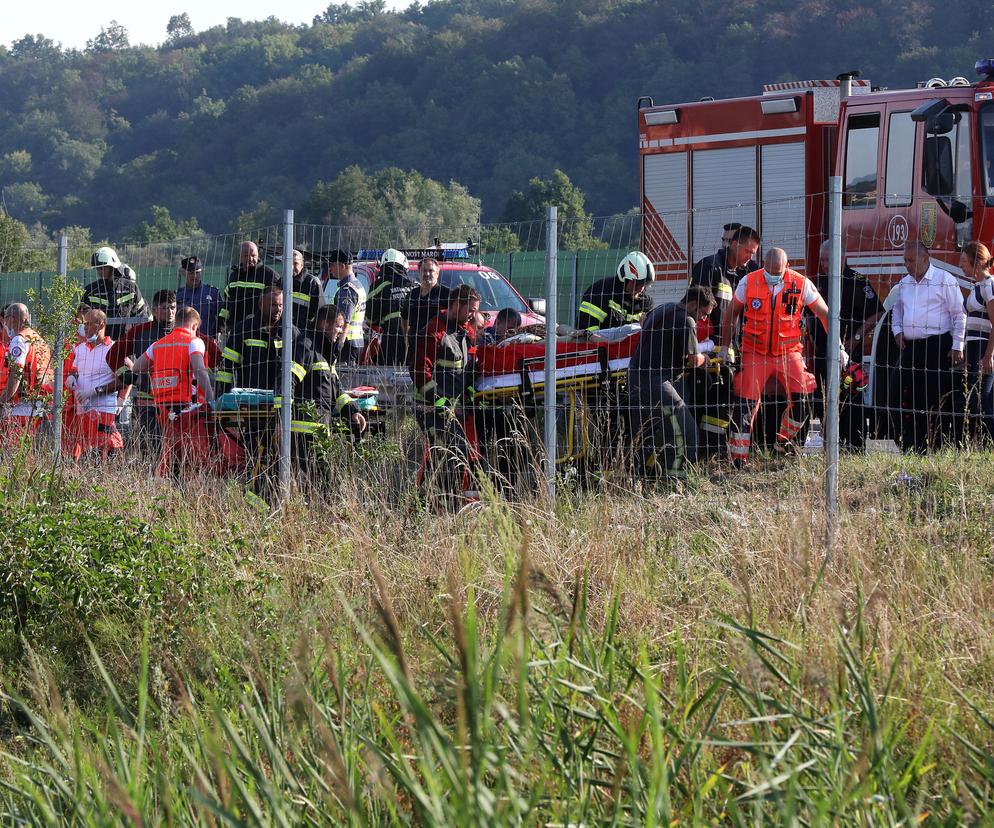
515, 369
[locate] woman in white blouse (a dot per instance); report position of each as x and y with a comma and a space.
976, 263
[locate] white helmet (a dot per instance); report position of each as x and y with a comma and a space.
105, 257
635, 267
395, 256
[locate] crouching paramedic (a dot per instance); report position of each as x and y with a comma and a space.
772, 301
179, 381
442, 370
663, 425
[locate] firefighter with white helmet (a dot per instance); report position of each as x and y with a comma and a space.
620, 299
385, 306
115, 292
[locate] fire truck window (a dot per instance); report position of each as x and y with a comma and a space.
900, 177
987, 149
946, 167
862, 136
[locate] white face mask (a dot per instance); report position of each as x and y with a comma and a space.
9, 331
772, 279
81, 330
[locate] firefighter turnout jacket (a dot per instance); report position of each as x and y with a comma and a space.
252, 358
606, 305
119, 298
385, 308
322, 385
442, 365
242, 292
307, 298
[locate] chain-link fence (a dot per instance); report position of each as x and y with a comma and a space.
418, 358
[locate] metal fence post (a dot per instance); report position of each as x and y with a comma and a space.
833, 366
286, 405
551, 289
58, 355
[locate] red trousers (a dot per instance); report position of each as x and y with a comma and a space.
192, 446
90, 430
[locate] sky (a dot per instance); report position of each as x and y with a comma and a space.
72, 23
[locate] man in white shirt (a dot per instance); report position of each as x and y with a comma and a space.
929, 323
95, 392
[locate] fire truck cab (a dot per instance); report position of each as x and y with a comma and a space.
915, 164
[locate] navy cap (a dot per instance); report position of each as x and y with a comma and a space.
191, 264
340, 257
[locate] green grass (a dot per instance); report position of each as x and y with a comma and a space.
634, 659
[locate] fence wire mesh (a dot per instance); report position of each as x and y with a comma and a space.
420, 372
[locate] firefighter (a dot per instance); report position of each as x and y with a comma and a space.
346, 293
772, 302
859, 311
115, 292
179, 382
722, 271
308, 296
442, 370
252, 358
929, 326
29, 370
246, 282
123, 352
323, 400
385, 306
94, 387
666, 352
617, 300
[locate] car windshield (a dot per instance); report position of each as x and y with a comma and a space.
495, 292
987, 150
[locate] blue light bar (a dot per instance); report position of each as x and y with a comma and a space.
445, 254
985, 67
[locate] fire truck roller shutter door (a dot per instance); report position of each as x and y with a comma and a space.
783, 200
724, 190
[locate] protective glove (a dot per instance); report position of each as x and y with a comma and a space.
724, 353
71, 382
844, 360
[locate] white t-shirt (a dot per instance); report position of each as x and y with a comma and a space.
17, 354
978, 324
811, 294
92, 371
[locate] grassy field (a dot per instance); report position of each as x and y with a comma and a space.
650, 658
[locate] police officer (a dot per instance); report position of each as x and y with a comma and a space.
346, 293
859, 311
620, 299
385, 306
722, 271
664, 426
114, 293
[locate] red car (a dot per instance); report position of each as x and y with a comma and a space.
495, 291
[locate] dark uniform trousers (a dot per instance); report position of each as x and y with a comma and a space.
921, 387
852, 411
664, 429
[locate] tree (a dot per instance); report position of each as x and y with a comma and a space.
178, 27
251, 221
529, 208
164, 227
404, 205
16, 253
111, 38
361, 12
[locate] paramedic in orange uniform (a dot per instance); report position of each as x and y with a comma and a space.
772, 301
29, 372
179, 381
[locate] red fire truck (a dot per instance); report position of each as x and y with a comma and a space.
915, 164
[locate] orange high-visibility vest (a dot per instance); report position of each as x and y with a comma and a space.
172, 375
772, 325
